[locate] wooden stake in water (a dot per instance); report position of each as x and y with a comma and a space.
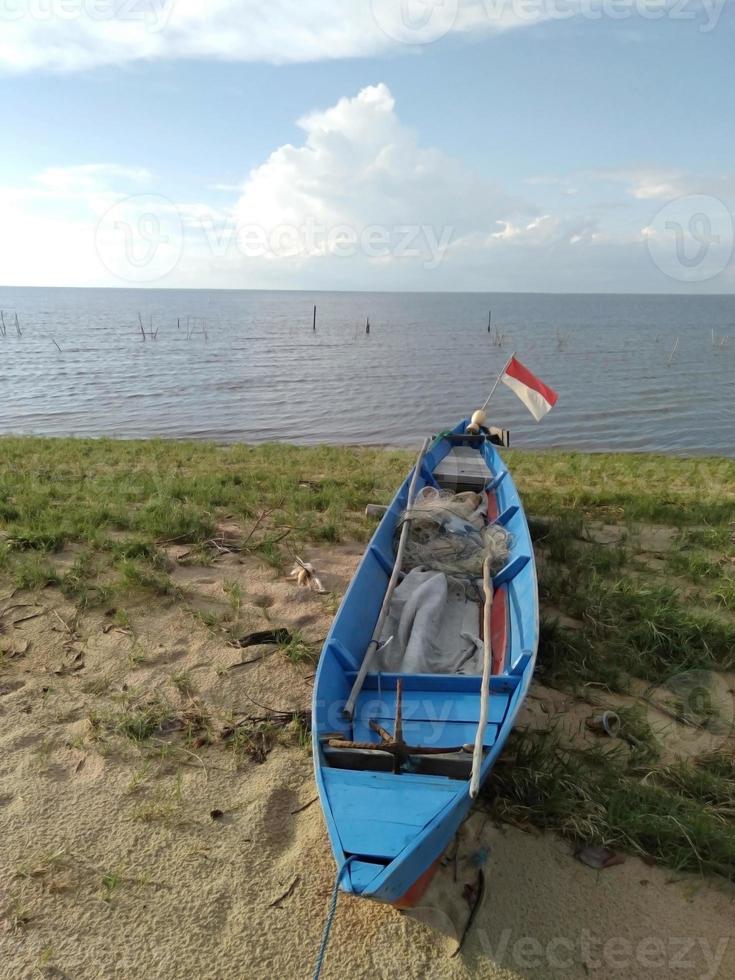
367, 325
314, 324
489, 320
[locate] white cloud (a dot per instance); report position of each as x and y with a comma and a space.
47, 225
66, 35
360, 167
358, 204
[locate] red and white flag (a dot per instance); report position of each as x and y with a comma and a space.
535, 395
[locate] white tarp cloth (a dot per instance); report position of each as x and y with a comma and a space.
434, 628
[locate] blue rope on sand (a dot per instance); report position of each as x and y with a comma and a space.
330, 919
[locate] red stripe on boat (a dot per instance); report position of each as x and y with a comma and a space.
418, 889
492, 507
499, 628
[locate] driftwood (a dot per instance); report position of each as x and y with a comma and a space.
278, 637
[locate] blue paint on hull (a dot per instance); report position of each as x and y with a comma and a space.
395, 826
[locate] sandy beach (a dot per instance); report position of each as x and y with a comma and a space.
124, 860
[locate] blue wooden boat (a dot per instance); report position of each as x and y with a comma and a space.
389, 825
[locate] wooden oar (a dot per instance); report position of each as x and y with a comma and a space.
487, 582
349, 708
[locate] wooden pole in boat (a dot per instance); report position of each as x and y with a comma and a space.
349, 708
497, 382
477, 757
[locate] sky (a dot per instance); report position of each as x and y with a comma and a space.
485, 145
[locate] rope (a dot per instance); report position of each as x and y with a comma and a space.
330, 919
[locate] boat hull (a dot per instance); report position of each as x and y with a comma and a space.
388, 830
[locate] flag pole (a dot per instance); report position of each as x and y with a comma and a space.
497, 381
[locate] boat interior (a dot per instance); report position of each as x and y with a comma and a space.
425, 724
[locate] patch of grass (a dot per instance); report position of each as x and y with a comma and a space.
271, 554
55, 491
301, 731
45, 959
253, 741
161, 809
165, 807
80, 583
139, 548
138, 779
253, 738
299, 650
109, 885
184, 683
624, 487
137, 721
17, 912
637, 732
42, 865
711, 781
696, 565
593, 797
234, 593
121, 619
723, 594
142, 577
631, 628
33, 572
214, 622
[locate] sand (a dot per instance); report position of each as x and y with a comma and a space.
111, 864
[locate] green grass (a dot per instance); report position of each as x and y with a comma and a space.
118, 505
32, 572
630, 630
137, 721
300, 651
124, 501
682, 816
622, 487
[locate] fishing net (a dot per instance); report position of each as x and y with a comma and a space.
449, 533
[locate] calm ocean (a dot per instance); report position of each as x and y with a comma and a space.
632, 372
